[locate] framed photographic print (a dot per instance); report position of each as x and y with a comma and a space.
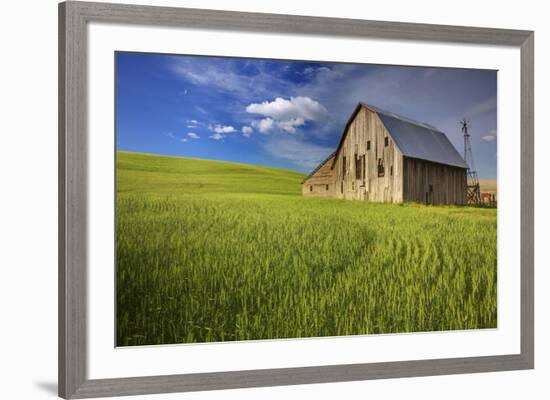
254, 200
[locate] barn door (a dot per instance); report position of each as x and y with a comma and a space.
430, 194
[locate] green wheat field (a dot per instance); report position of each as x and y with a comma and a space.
211, 251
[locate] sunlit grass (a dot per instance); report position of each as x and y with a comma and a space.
214, 251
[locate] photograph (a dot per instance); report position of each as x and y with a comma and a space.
268, 199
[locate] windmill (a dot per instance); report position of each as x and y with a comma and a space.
473, 195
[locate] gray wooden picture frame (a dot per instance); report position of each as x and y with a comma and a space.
73, 173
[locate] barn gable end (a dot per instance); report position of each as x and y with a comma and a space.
367, 162
321, 181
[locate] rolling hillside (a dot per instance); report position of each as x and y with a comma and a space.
176, 176
216, 251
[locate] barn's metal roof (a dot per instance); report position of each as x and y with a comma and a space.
419, 140
414, 139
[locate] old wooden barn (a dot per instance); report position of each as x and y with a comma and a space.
385, 157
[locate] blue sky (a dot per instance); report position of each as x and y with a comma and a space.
288, 114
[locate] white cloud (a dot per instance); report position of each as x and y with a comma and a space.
216, 136
267, 125
287, 115
193, 135
291, 124
184, 140
283, 110
264, 125
192, 123
221, 128
247, 131
489, 137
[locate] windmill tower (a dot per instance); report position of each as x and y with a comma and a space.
473, 195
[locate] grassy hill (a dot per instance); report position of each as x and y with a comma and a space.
176, 176
217, 251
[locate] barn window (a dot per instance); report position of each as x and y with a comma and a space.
363, 167
391, 170
368, 144
344, 165
342, 187
326, 188
358, 167
380, 167
386, 141
310, 188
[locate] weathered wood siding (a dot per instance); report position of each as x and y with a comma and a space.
366, 184
322, 182
432, 183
